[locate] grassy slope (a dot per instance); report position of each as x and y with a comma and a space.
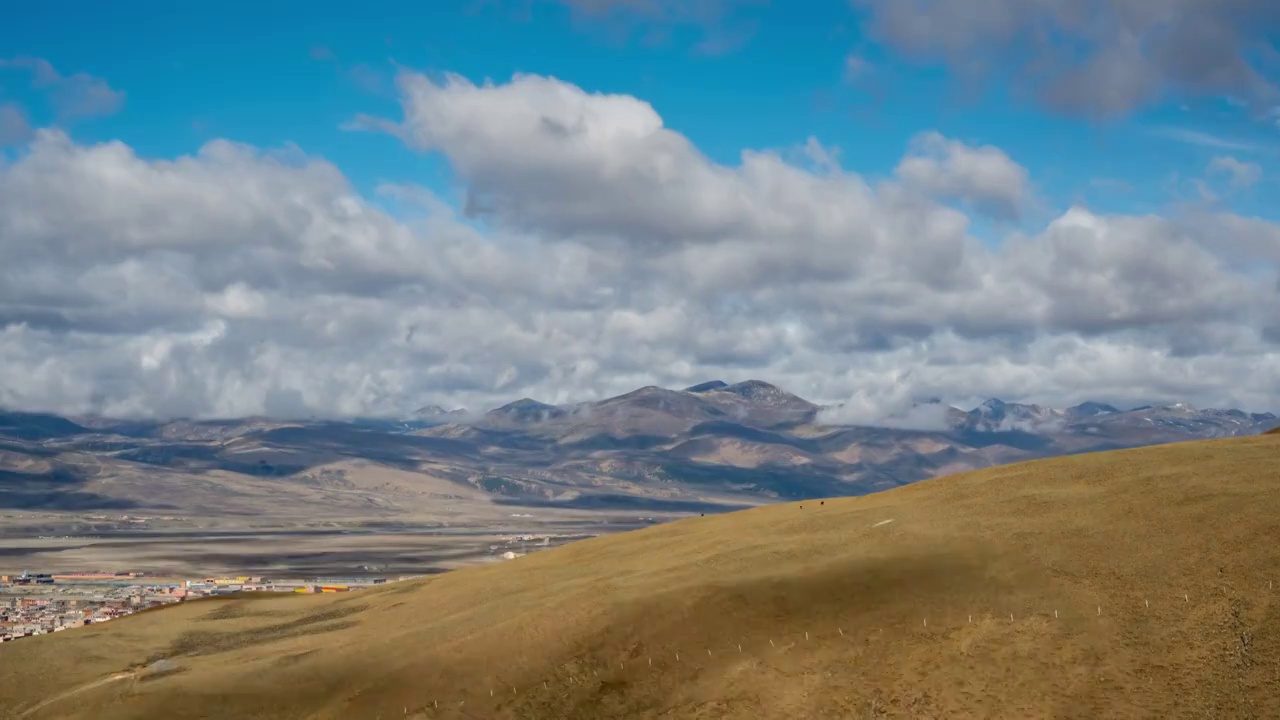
1113, 531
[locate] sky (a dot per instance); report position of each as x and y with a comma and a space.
356, 209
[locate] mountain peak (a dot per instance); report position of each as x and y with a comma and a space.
707, 386
753, 388
1090, 408
761, 393
527, 410
524, 403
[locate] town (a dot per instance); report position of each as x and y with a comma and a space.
41, 603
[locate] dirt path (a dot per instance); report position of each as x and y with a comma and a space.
75, 691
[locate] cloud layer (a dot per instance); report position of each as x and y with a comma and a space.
1095, 57
599, 251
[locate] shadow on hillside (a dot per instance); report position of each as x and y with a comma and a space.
53, 490
607, 501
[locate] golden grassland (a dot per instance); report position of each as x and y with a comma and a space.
1129, 584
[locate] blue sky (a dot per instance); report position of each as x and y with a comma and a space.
275, 73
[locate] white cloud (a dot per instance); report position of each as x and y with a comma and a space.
14, 128
1098, 57
1242, 174
242, 281
72, 96
984, 177
1203, 139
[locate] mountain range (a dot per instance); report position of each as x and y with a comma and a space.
712, 445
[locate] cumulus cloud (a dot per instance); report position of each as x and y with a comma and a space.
72, 96
1241, 174
613, 254
14, 127
1094, 57
985, 177
547, 155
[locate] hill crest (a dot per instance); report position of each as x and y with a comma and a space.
1034, 587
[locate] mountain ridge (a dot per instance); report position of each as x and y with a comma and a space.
714, 444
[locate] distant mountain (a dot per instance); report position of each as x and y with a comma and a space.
712, 444
435, 413
524, 411
1090, 409
996, 415
763, 394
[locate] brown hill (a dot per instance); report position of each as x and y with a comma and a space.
1135, 583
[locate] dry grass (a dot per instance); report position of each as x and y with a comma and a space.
1175, 545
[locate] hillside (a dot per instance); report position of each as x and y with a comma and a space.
1127, 584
